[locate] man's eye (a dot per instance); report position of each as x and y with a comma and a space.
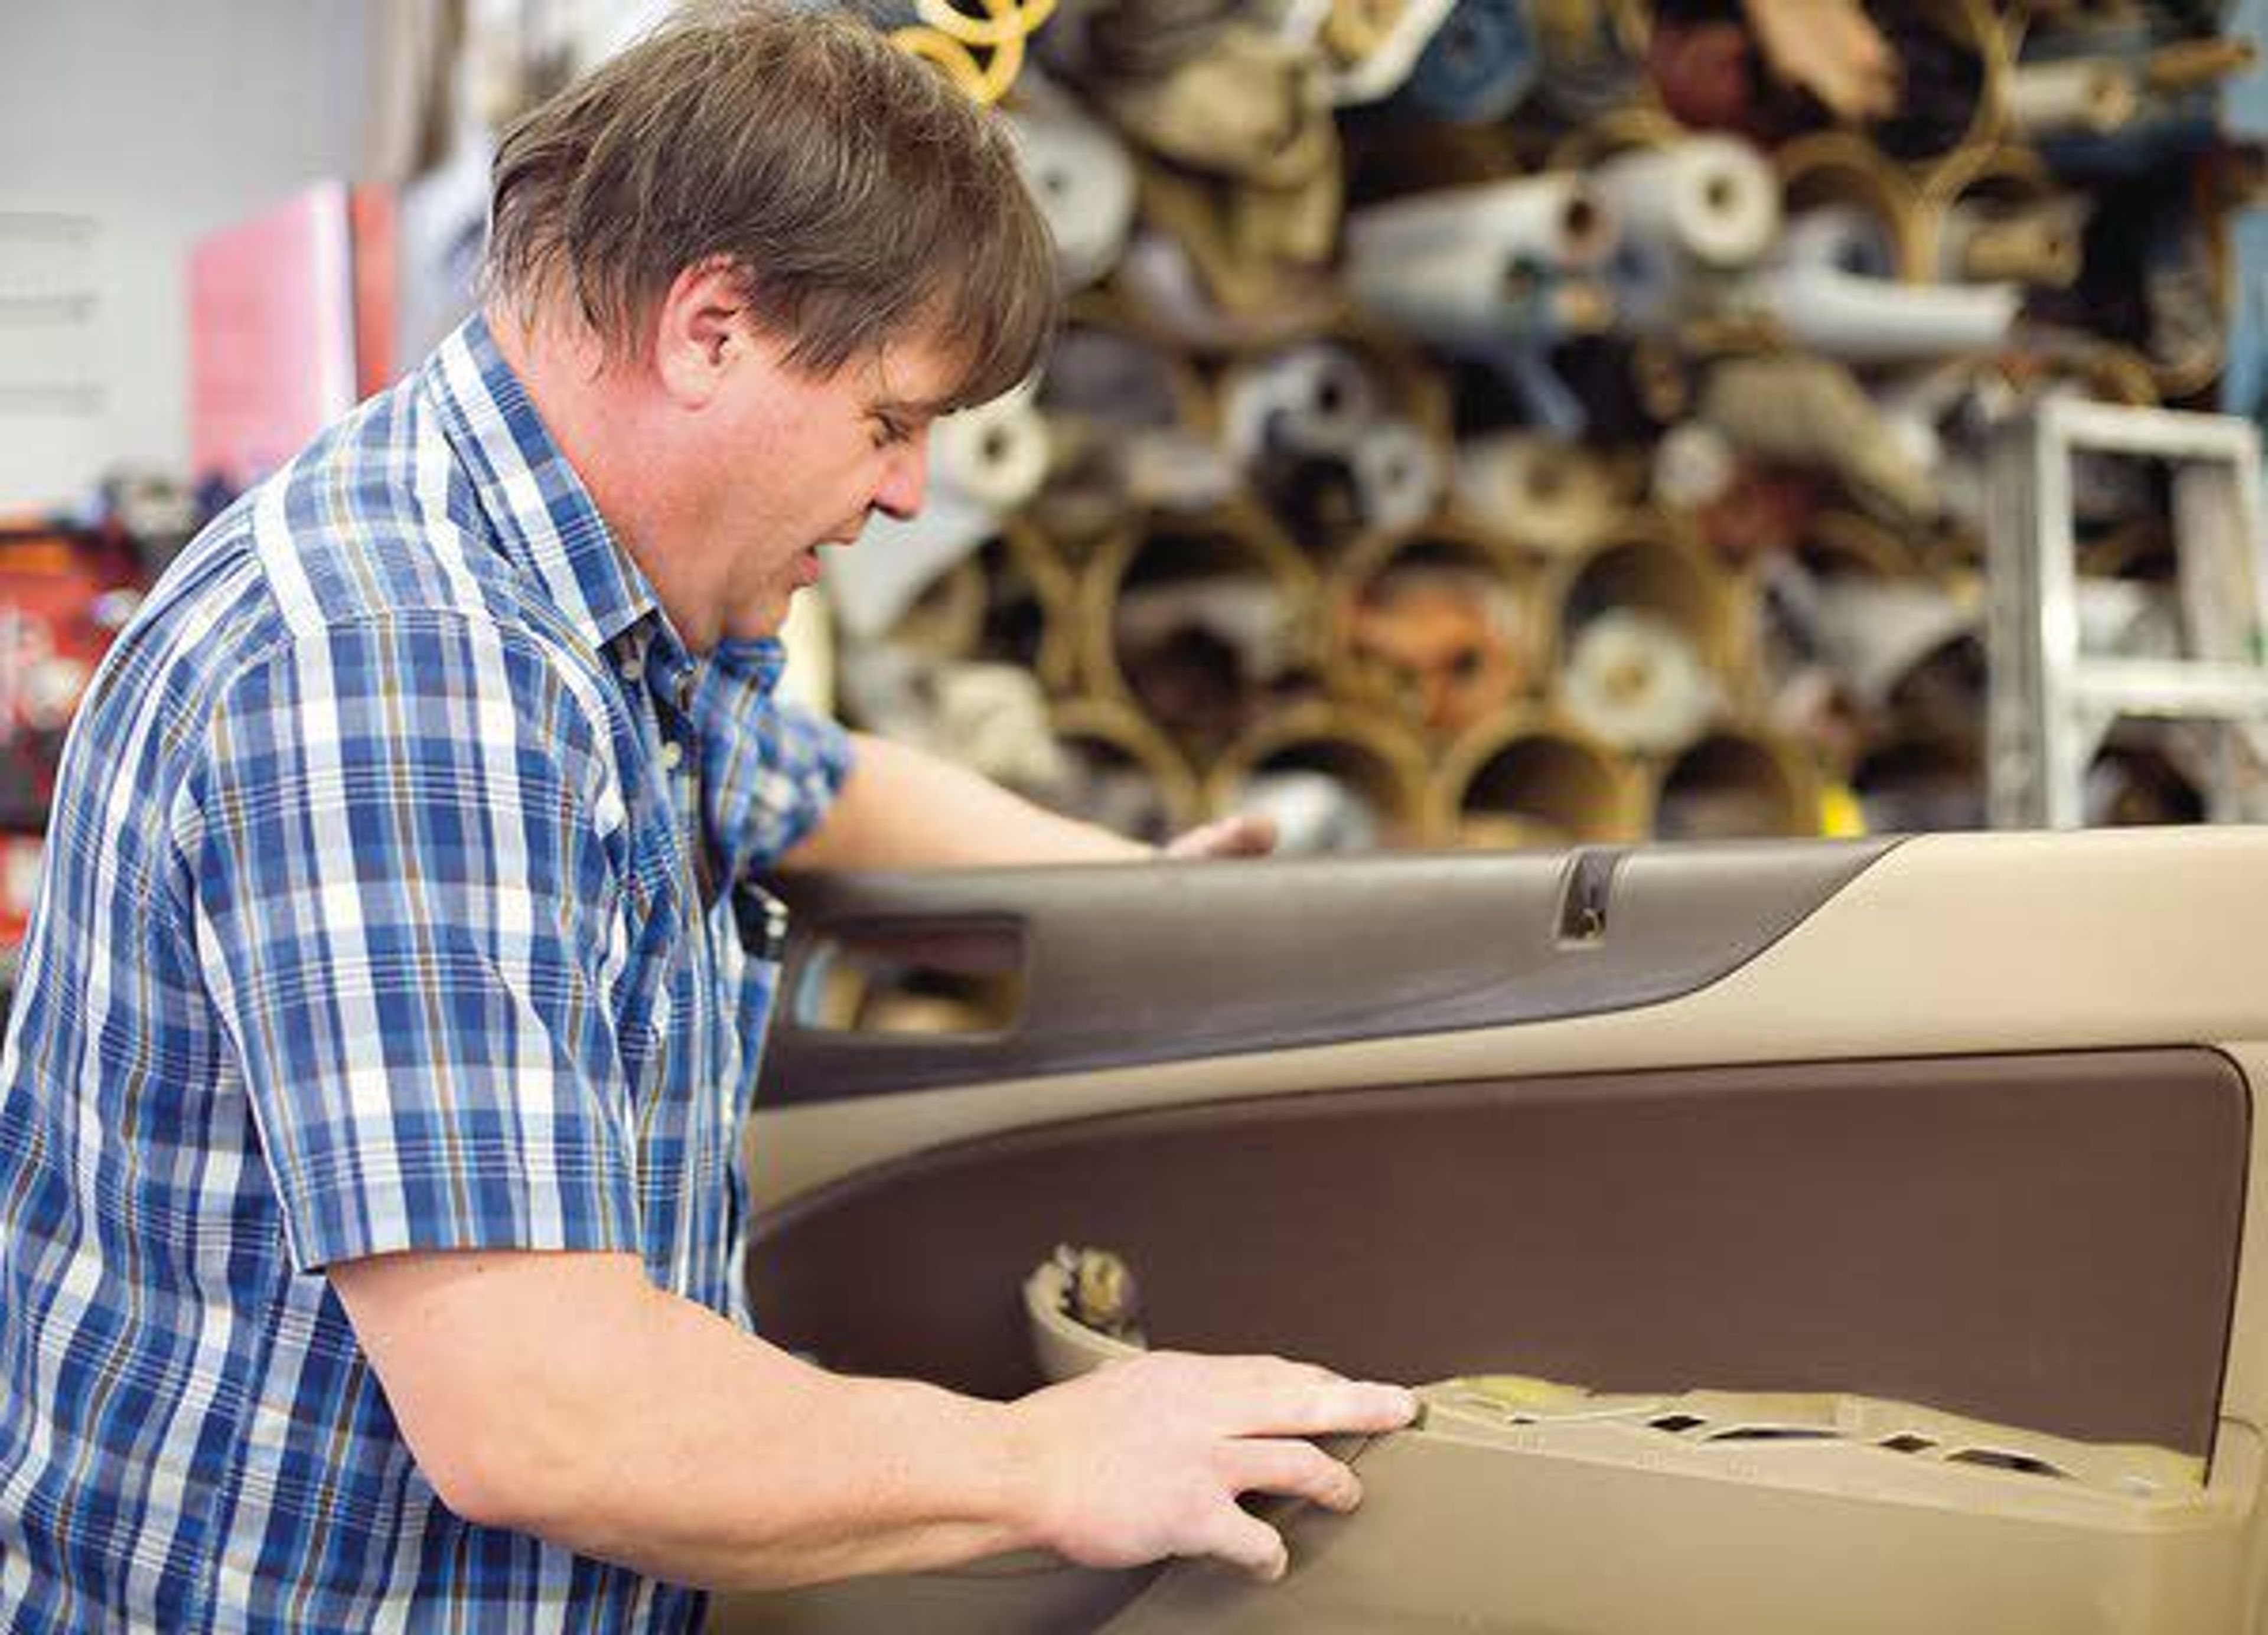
887, 432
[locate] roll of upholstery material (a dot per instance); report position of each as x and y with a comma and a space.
1695, 464
1441, 624
1552, 220
1336, 777
1079, 174
995, 455
1478, 299
1092, 41
2036, 244
1376, 55
1635, 680
989, 717
1811, 412
1916, 781
2090, 95
1197, 621
1839, 237
1549, 494
1705, 72
1876, 633
1339, 438
1710, 201
1593, 54
1254, 106
1122, 772
1835, 168
1246, 243
1874, 320
984, 462
1130, 426
1161, 283
1735, 784
1691, 212
1479, 65
1527, 779
1650, 572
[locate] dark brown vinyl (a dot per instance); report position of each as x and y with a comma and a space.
2045, 1240
1126, 967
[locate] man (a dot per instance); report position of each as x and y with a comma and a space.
368, 1219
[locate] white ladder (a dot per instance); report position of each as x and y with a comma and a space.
2051, 704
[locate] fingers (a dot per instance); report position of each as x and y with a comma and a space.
1281, 1399
1243, 1540
1293, 1469
1242, 835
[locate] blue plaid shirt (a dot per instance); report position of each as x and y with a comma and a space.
379, 913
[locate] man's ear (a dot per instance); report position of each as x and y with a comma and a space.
700, 332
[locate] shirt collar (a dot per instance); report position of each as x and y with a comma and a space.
544, 518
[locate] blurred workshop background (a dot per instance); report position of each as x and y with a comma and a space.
1481, 422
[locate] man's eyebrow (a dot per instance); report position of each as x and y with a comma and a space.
928, 408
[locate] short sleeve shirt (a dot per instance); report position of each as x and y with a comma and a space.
388, 904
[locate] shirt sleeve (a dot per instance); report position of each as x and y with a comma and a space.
769, 771
403, 841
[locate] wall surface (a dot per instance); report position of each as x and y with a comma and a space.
129, 127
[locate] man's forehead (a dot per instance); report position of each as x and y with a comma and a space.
915, 377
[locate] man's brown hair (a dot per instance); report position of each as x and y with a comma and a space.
861, 196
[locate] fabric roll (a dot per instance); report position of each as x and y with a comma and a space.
1635, 680
1479, 65
984, 462
1711, 200
1554, 220
1874, 320
2078, 95
1378, 64
1545, 492
1079, 174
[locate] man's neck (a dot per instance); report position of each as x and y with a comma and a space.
596, 410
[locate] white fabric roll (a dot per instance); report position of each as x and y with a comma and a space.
1712, 199
1459, 295
1555, 220
994, 455
1873, 320
984, 462
1635, 680
2080, 95
1318, 397
1083, 181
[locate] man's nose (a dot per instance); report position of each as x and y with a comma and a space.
906, 479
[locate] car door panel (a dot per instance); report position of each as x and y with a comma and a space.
1961, 1122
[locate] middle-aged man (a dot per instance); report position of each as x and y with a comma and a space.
368, 1217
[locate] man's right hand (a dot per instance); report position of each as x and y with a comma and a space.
1146, 1458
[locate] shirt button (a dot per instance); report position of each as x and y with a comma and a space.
671, 753
633, 669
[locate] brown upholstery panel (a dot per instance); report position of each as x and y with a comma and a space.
2048, 1241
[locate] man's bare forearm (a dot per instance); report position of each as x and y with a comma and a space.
563, 1395
904, 809
623, 1423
